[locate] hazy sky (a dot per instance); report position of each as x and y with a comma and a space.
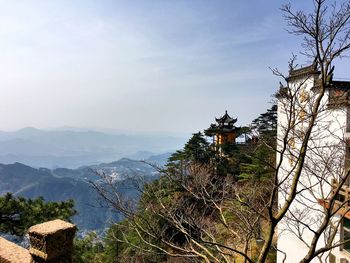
150, 65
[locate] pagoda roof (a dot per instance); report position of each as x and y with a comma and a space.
226, 119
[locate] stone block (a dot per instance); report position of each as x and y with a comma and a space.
12, 253
52, 241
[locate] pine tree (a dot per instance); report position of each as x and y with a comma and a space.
17, 214
195, 151
266, 123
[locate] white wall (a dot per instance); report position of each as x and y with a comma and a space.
324, 161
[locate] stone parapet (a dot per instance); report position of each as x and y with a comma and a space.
12, 253
50, 242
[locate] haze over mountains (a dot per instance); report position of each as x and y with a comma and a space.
59, 164
72, 148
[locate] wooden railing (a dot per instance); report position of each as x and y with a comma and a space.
342, 200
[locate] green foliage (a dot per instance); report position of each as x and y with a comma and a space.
88, 249
260, 165
266, 123
91, 248
196, 150
117, 251
261, 161
17, 214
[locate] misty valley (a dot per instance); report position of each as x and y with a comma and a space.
41, 151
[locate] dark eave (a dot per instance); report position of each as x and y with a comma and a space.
342, 85
216, 129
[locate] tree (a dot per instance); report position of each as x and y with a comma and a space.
261, 156
266, 124
200, 215
17, 214
88, 249
190, 196
196, 150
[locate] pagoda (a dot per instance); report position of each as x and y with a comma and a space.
224, 131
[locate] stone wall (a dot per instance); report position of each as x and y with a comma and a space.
50, 242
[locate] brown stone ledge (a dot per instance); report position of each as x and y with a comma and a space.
12, 253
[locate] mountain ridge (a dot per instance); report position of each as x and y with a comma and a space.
62, 184
72, 149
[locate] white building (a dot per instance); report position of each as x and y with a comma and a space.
324, 166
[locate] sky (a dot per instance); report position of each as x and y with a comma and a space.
142, 66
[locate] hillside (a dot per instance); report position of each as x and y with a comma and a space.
63, 184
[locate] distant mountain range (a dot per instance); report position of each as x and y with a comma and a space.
62, 183
78, 147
